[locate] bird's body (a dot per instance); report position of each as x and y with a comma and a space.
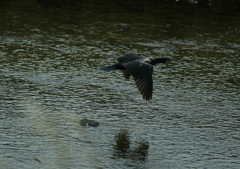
140, 68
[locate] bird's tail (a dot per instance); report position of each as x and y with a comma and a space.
108, 68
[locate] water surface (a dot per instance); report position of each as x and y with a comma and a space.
50, 53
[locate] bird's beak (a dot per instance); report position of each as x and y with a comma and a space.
168, 61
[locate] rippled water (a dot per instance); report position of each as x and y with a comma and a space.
50, 55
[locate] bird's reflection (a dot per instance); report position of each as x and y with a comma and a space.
122, 147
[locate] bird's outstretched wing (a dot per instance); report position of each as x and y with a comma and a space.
142, 73
126, 74
129, 57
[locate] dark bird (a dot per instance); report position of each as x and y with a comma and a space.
140, 68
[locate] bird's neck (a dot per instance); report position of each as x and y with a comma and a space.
156, 61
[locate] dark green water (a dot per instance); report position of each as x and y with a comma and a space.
50, 52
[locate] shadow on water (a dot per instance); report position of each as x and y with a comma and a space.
53, 97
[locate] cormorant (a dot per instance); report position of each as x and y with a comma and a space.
140, 68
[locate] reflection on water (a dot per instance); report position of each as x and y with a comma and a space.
122, 144
123, 150
50, 52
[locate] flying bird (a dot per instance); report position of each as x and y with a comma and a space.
141, 68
